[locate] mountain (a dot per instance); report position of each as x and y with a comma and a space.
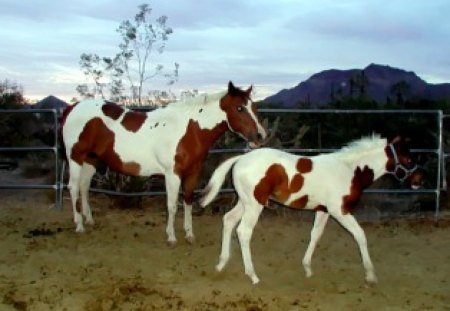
379, 81
51, 102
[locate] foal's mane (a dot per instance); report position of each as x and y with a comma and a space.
363, 145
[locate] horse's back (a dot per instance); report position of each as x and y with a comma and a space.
318, 177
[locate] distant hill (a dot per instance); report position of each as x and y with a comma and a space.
379, 81
51, 102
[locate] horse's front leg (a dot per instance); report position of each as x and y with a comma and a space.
172, 188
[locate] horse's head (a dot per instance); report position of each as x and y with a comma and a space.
401, 164
242, 115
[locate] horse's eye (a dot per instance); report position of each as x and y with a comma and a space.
240, 108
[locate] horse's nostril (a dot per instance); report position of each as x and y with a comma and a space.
259, 136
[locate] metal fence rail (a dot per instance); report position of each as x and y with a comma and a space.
58, 185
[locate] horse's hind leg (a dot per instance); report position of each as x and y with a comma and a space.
316, 233
245, 231
230, 219
87, 171
172, 188
349, 222
189, 184
74, 188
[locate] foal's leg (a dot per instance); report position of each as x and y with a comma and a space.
230, 219
245, 231
87, 171
172, 188
349, 222
74, 188
316, 233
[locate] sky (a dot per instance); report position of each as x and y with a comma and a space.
270, 44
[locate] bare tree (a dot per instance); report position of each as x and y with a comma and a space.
126, 74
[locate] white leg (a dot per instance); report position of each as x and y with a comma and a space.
230, 219
74, 188
87, 171
245, 231
316, 233
172, 188
349, 222
188, 223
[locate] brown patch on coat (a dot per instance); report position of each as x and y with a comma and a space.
361, 180
97, 141
296, 183
78, 205
112, 110
274, 182
304, 165
191, 152
133, 120
321, 208
300, 202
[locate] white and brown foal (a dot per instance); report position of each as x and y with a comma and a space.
171, 141
330, 184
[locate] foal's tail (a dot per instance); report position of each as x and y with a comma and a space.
216, 181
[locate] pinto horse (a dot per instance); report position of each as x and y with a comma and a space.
172, 141
330, 184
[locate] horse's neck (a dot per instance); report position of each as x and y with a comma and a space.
206, 124
375, 159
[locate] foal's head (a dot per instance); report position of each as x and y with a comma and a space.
242, 115
401, 164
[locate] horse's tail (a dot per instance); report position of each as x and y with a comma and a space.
62, 121
216, 181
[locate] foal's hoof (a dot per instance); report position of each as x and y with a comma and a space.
371, 281
255, 279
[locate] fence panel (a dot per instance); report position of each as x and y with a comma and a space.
41, 148
440, 183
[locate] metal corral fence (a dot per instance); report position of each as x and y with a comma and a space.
58, 184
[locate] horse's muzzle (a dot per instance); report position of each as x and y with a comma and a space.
256, 140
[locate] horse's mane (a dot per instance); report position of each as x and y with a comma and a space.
363, 145
199, 100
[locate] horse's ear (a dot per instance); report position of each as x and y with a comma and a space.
231, 87
249, 91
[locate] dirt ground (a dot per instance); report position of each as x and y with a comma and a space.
124, 263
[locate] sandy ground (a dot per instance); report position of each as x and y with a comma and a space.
123, 262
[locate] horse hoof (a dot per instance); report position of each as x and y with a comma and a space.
172, 243
190, 239
255, 279
371, 281
219, 267
79, 230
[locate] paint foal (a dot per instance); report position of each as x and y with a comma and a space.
330, 184
172, 141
